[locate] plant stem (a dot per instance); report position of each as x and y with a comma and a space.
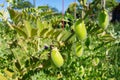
103, 3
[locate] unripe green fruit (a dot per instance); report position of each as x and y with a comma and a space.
103, 19
80, 30
79, 51
56, 57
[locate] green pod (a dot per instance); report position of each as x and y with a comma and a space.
80, 30
79, 51
103, 19
57, 57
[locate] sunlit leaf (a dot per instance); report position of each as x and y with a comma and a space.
20, 31
28, 28
8, 73
2, 77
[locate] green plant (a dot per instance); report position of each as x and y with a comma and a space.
27, 40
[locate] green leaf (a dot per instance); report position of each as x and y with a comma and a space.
20, 55
2, 77
20, 31
49, 34
12, 13
43, 32
71, 38
43, 7
8, 73
56, 33
87, 42
1, 14
39, 26
28, 28
107, 38
66, 35
34, 32
46, 13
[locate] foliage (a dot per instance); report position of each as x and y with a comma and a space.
26, 41
19, 4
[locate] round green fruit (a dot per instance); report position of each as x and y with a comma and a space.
80, 30
103, 19
56, 57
